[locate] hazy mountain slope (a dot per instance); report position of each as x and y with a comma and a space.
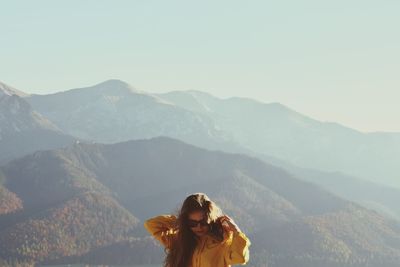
351, 237
66, 211
150, 177
9, 202
123, 253
275, 130
241, 116
383, 199
22, 129
113, 111
198, 169
375, 196
84, 222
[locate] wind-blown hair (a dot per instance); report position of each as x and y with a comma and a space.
182, 248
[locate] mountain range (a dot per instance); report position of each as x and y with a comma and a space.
113, 111
84, 199
274, 129
82, 196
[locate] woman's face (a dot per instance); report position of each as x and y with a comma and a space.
197, 222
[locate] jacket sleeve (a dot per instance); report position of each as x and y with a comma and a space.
237, 251
163, 229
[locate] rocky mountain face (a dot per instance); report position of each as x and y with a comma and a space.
85, 200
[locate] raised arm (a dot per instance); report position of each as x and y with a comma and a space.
237, 243
163, 228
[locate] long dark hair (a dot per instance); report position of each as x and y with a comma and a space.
181, 251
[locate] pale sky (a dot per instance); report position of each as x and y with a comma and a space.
331, 60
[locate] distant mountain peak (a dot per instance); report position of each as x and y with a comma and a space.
115, 86
114, 82
121, 88
8, 90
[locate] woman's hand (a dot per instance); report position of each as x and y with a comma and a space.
228, 225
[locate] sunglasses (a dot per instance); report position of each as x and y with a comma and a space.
194, 223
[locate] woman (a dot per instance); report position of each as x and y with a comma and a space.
201, 236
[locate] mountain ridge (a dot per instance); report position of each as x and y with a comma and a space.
8, 90
152, 176
298, 139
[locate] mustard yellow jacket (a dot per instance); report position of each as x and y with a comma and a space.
209, 252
